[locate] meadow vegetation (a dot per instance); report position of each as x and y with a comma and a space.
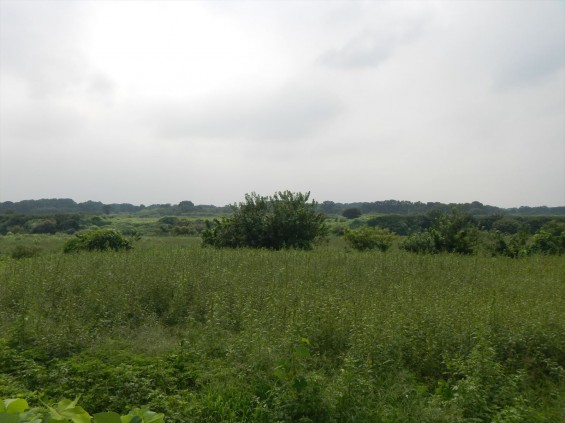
257, 335
442, 317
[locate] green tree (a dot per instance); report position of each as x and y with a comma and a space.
186, 206
352, 213
284, 220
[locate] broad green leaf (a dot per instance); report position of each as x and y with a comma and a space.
16, 405
34, 415
51, 419
9, 418
143, 415
109, 417
68, 410
152, 417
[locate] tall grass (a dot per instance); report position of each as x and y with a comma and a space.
326, 335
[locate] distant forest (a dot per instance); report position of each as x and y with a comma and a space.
188, 208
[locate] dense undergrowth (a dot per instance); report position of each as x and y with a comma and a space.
205, 335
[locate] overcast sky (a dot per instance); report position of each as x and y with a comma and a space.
157, 102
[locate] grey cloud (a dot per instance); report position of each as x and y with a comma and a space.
538, 37
376, 42
364, 50
39, 43
102, 88
290, 115
42, 124
518, 43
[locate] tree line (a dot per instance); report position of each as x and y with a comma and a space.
188, 208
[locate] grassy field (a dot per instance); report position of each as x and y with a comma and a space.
329, 335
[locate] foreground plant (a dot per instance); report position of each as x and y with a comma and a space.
66, 411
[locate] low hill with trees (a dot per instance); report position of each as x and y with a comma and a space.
188, 208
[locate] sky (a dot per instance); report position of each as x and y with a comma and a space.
152, 102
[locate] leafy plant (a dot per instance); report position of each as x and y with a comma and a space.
550, 239
67, 411
370, 238
352, 213
284, 220
514, 246
100, 240
455, 232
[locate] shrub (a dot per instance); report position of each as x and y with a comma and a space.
513, 246
100, 239
370, 239
420, 242
507, 225
550, 239
453, 233
352, 213
284, 220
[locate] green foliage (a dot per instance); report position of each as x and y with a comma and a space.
370, 238
508, 225
67, 411
98, 240
352, 213
284, 220
401, 225
421, 242
482, 390
455, 232
329, 335
550, 239
513, 246
179, 226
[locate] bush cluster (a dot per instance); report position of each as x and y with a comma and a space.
178, 226
370, 238
284, 220
453, 233
98, 240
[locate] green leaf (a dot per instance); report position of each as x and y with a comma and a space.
143, 415
152, 417
109, 417
51, 419
16, 405
68, 410
9, 418
13, 405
